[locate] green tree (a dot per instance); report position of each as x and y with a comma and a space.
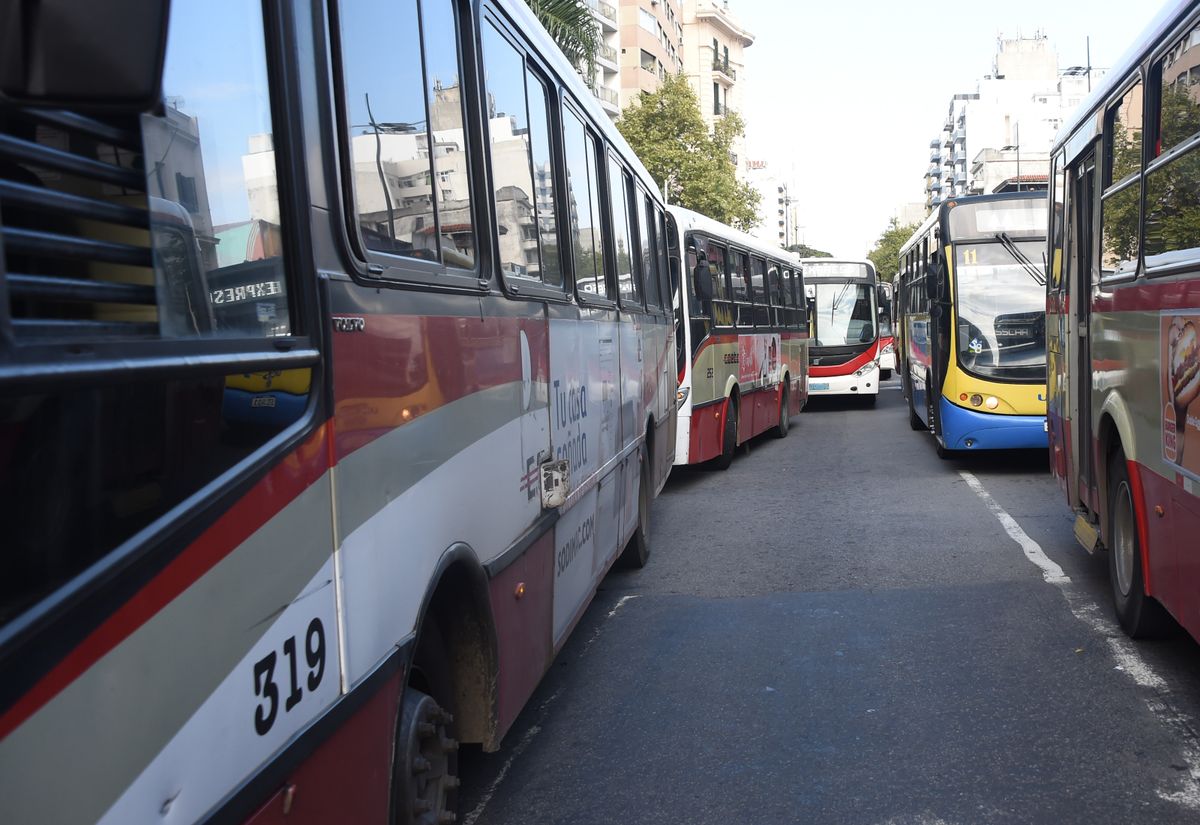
886, 254
666, 130
806, 251
573, 28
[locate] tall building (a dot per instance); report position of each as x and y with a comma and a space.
1008, 121
713, 46
606, 82
651, 39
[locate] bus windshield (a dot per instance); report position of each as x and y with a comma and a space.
1000, 302
845, 314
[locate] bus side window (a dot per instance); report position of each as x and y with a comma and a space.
583, 207
649, 244
758, 284
545, 200
717, 265
628, 288
1172, 211
665, 276
424, 210
1120, 204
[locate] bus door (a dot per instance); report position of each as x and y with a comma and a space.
1080, 279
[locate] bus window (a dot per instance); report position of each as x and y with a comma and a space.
719, 268
1173, 211
1120, 202
582, 207
512, 180
664, 275
543, 172
648, 242
452, 192
627, 287
758, 289
397, 181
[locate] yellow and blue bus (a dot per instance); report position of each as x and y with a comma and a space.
971, 323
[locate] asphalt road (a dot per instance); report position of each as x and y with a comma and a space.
841, 629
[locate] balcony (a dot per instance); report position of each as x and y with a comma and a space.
936, 143
935, 157
960, 179
607, 55
606, 95
721, 66
606, 12
960, 136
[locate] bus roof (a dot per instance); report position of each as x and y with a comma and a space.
527, 22
806, 262
1167, 18
942, 208
689, 220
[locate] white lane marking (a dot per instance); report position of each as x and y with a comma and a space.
1051, 572
1129, 659
536, 727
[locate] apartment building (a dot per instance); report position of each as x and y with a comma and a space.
713, 45
606, 82
1008, 121
651, 45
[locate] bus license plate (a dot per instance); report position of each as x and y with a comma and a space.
820, 385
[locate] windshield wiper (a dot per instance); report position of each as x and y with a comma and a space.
1038, 276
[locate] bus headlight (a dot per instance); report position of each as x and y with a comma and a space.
888, 349
681, 395
992, 402
976, 400
863, 370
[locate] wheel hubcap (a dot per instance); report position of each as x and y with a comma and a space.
1124, 543
428, 772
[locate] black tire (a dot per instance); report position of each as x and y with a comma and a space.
1139, 615
914, 420
637, 551
781, 429
884, 375
729, 436
425, 779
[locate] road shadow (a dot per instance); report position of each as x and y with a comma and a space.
838, 403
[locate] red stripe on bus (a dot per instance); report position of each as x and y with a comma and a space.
1139, 513
398, 368
282, 484
849, 367
1150, 296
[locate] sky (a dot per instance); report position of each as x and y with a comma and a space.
848, 93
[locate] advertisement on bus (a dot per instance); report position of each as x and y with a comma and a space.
1179, 383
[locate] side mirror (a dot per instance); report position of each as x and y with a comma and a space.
702, 281
102, 55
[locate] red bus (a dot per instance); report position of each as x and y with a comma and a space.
334, 379
742, 338
1123, 309
846, 305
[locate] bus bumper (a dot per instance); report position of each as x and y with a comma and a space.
970, 430
683, 439
865, 384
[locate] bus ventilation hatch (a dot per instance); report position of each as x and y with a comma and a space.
75, 245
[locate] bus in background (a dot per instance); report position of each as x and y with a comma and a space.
845, 304
315, 442
1123, 304
972, 323
742, 321
887, 341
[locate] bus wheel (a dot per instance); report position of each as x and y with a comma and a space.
914, 420
1141, 616
426, 767
781, 430
729, 437
885, 375
637, 551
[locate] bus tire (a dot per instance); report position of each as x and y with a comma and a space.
781, 430
729, 435
637, 551
426, 780
884, 375
914, 420
1140, 616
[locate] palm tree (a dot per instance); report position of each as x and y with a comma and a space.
571, 25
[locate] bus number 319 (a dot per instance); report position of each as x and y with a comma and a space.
264, 676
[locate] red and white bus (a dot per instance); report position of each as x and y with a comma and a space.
333, 379
845, 304
741, 338
887, 339
1123, 310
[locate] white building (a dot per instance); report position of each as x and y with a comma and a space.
606, 83
714, 45
1015, 111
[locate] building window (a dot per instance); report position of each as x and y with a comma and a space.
716, 98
